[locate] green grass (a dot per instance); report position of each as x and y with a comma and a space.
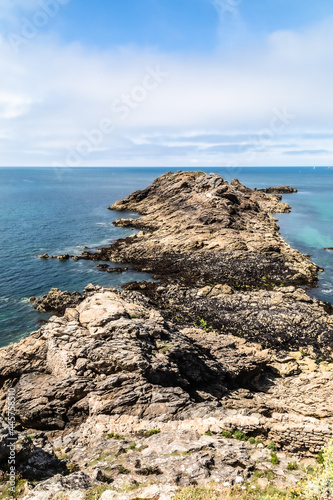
113, 435
122, 469
274, 458
104, 457
149, 471
240, 436
72, 468
149, 433
320, 457
19, 490
226, 434
203, 323
320, 484
96, 493
292, 466
141, 447
272, 446
199, 493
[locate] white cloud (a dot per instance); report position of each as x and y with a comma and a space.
52, 95
13, 106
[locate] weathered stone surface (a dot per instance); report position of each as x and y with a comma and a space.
196, 212
73, 485
279, 319
56, 301
35, 460
135, 387
119, 355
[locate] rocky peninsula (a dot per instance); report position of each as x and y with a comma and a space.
219, 371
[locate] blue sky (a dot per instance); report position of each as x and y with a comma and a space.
166, 82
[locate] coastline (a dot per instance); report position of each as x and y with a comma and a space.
226, 339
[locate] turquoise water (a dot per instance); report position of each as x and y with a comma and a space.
57, 211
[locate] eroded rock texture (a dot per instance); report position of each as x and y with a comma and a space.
155, 380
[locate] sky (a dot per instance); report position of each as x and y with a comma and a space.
166, 83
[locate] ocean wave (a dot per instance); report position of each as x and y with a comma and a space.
23, 300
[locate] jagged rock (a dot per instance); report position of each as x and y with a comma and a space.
195, 223
56, 301
117, 269
114, 353
280, 190
139, 384
277, 319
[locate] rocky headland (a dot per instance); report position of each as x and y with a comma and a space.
219, 371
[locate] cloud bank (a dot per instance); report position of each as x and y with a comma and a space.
66, 104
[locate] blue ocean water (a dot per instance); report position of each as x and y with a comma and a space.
56, 211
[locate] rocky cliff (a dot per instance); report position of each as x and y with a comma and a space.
184, 380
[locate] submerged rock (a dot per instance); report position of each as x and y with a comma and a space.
279, 190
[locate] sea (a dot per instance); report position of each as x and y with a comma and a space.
63, 210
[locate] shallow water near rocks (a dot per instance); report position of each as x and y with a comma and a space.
49, 210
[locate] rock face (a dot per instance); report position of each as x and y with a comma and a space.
115, 354
153, 383
112, 372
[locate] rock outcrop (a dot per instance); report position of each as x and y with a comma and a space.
56, 301
192, 212
279, 190
113, 392
186, 379
115, 354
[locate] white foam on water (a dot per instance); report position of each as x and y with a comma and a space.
24, 300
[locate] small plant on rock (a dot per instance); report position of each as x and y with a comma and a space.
274, 458
226, 434
114, 435
241, 436
320, 486
151, 432
203, 324
272, 446
320, 457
